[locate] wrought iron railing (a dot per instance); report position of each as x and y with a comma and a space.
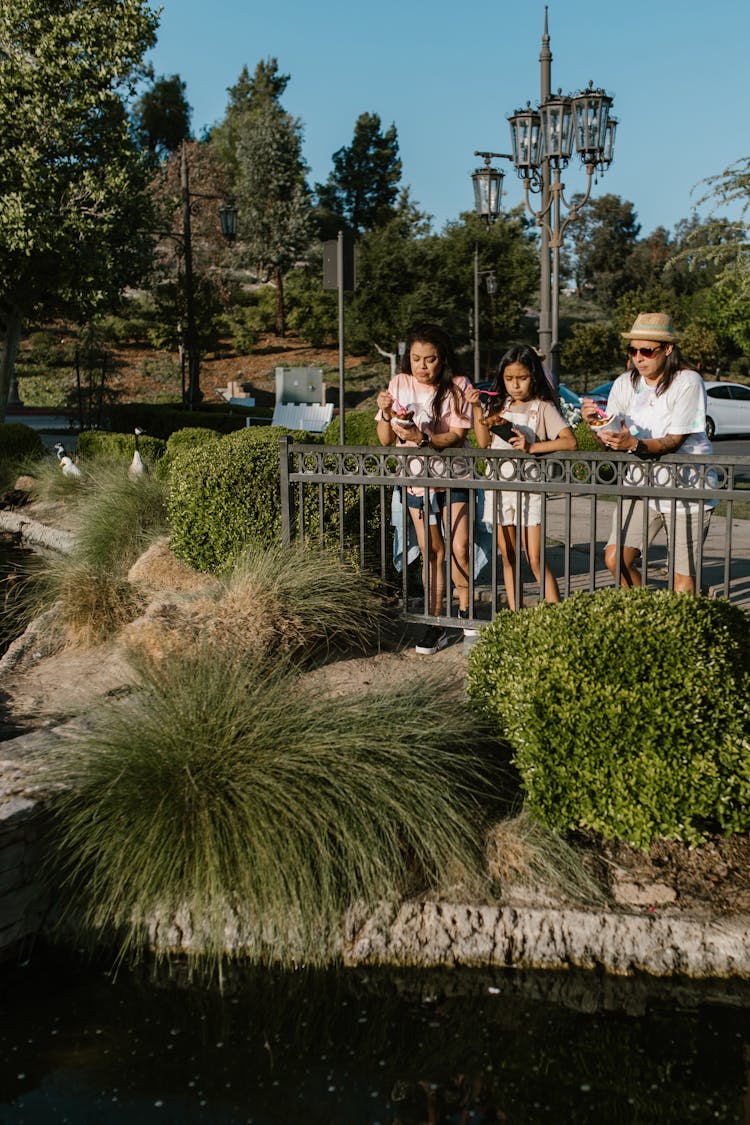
344, 496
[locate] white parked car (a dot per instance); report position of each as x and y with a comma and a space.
728, 408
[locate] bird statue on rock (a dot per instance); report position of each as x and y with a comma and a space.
138, 467
66, 464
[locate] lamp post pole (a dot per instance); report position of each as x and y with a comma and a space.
542, 140
228, 220
194, 393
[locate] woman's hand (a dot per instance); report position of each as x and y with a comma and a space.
474, 396
385, 404
407, 430
589, 410
622, 441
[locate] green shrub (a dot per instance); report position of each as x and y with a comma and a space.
628, 711
119, 447
226, 496
190, 438
244, 800
585, 439
360, 428
19, 442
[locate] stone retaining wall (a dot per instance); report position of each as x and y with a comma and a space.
23, 899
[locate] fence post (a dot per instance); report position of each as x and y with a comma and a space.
285, 443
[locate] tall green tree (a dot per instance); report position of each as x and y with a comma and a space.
602, 239
162, 116
362, 189
72, 181
273, 198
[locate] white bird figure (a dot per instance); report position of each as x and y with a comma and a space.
66, 464
138, 467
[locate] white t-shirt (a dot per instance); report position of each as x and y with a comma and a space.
681, 409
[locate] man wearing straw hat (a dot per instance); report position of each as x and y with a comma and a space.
656, 407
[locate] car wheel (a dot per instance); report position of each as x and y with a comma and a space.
710, 428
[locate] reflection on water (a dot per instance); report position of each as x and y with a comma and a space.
370, 1047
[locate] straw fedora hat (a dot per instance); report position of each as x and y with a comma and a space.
652, 326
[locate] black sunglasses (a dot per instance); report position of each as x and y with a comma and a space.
647, 353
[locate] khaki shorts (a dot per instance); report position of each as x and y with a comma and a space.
687, 529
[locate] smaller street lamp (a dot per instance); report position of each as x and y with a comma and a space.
488, 190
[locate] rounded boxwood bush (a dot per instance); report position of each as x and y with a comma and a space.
189, 438
226, 495
628, 711
360, 428
19, 442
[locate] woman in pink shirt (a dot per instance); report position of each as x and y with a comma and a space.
425, 406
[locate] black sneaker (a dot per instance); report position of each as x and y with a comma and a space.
431, 640
469, 629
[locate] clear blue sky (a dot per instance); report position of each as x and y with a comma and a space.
448, 74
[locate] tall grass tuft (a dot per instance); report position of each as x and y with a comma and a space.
311, 597
119, 517
523, 852
114, 520
233, 800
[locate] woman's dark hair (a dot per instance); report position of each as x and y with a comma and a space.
529, 358
673, 363
449, 364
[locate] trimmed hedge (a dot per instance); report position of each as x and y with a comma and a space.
226, 494
19, 442
628, 711
360, 428
119, 447
192, 437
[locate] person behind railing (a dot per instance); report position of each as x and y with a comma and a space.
523, 399
425, 406
657, 406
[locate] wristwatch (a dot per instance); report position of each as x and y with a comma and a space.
425, 441
641, 449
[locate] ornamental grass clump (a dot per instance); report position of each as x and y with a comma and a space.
115, 518
299, 601
628, 711
231, 804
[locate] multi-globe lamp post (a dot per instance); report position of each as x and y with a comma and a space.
542, 140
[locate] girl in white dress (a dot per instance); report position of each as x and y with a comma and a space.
526, 401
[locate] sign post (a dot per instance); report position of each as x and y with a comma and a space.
338, 273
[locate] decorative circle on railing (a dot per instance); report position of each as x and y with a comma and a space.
350, 464
371, 466
309, 463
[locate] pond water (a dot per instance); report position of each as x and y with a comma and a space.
394, 1048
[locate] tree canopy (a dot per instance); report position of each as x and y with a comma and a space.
362, 189
72, 180
162, 116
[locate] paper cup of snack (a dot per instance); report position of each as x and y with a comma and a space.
402, 417
604, 421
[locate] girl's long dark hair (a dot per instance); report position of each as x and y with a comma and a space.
673, 363
449, 364
528, 357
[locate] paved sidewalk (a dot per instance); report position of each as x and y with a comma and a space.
587, 573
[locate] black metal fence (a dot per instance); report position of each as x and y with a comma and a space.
350, 496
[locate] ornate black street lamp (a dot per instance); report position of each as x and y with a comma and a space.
542, 140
